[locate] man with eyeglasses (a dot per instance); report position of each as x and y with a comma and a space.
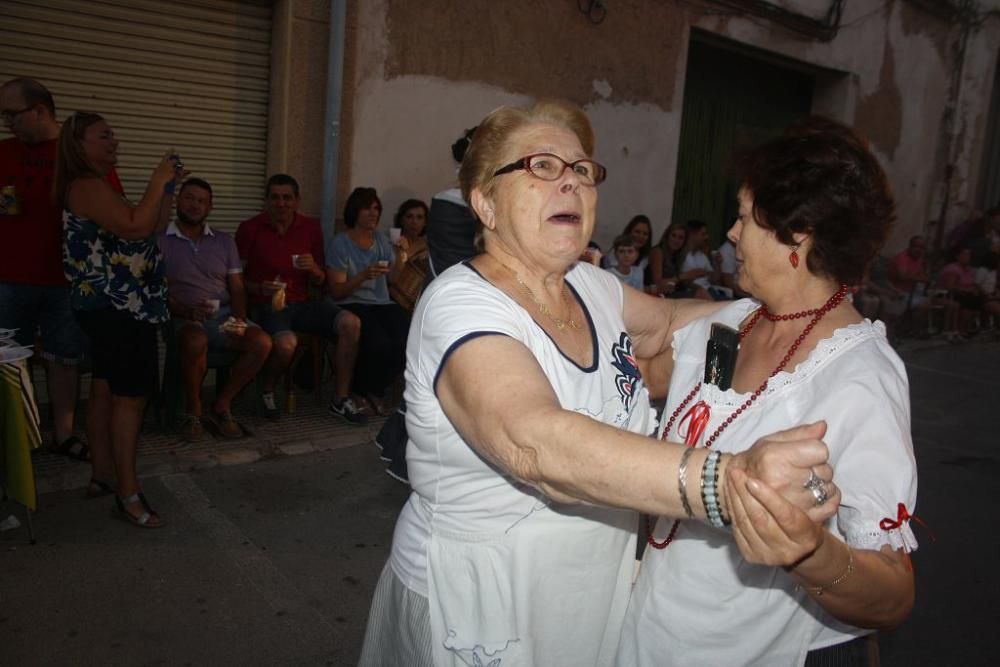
33, 291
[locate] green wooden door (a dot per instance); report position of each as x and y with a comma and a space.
732, 101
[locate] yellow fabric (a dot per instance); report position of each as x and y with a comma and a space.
19, 432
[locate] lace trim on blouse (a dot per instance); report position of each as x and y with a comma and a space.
825, 350
858, 532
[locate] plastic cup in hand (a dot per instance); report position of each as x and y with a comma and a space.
384, 263
295, 261
394, 235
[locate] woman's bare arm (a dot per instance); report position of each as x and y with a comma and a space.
91, 197
651, 323
500, 401
863, 587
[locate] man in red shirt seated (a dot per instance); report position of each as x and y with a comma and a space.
34, 294
908, 273
282, 254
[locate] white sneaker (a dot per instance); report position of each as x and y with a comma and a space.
270, 407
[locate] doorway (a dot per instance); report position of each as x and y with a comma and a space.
733, 100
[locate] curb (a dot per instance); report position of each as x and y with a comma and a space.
188, 457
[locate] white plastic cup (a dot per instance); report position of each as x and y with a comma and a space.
384, 263
295, 261
394, 235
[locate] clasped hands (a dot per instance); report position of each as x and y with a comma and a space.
777, 518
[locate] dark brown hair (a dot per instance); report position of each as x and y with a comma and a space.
624, 241
196, 183
404, 208
820, 179
281, 179
357, 201
637, 220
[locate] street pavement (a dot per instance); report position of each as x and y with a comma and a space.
273, 562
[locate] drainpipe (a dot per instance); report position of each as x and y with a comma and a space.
331, 125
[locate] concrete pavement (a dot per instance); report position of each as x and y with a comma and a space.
273, 562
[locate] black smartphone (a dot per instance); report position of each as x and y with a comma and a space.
720, 355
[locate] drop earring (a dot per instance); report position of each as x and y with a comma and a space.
793, 258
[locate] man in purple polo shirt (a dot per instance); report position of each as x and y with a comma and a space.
208, 301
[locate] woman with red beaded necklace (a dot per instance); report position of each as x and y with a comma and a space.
779, 589
529, 451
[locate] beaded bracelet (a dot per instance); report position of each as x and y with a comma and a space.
709, 489
818, 590
718, 491
682, 481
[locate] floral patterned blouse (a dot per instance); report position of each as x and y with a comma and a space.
105, 270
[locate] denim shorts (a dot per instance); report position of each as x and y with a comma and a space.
315, 316
29, 308
218, 340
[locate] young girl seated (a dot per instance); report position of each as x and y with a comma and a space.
626, 252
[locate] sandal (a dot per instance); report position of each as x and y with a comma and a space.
227, 427
377, 405
143, 520
98, 489
72, 447
191, 428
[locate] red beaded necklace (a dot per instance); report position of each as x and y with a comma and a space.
699, 413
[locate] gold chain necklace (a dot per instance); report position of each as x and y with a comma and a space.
542, 308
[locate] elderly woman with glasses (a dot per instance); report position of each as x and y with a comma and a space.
528, 422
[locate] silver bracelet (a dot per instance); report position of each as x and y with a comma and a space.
682, 481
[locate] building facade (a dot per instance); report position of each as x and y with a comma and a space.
241, 89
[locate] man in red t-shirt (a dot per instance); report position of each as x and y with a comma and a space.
908, 272
34, 295
282, 253
909, 268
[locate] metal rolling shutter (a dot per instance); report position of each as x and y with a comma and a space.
191, 75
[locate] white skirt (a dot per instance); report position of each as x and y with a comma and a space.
399, 628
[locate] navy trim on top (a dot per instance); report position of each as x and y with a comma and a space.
454, 346
593, 332
468, 264
583, 306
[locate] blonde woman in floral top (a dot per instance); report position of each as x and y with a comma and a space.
118, 294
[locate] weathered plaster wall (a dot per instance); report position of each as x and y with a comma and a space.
978, 78
423, 71
434, 69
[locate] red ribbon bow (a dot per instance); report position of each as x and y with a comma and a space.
902, 516
699, 414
